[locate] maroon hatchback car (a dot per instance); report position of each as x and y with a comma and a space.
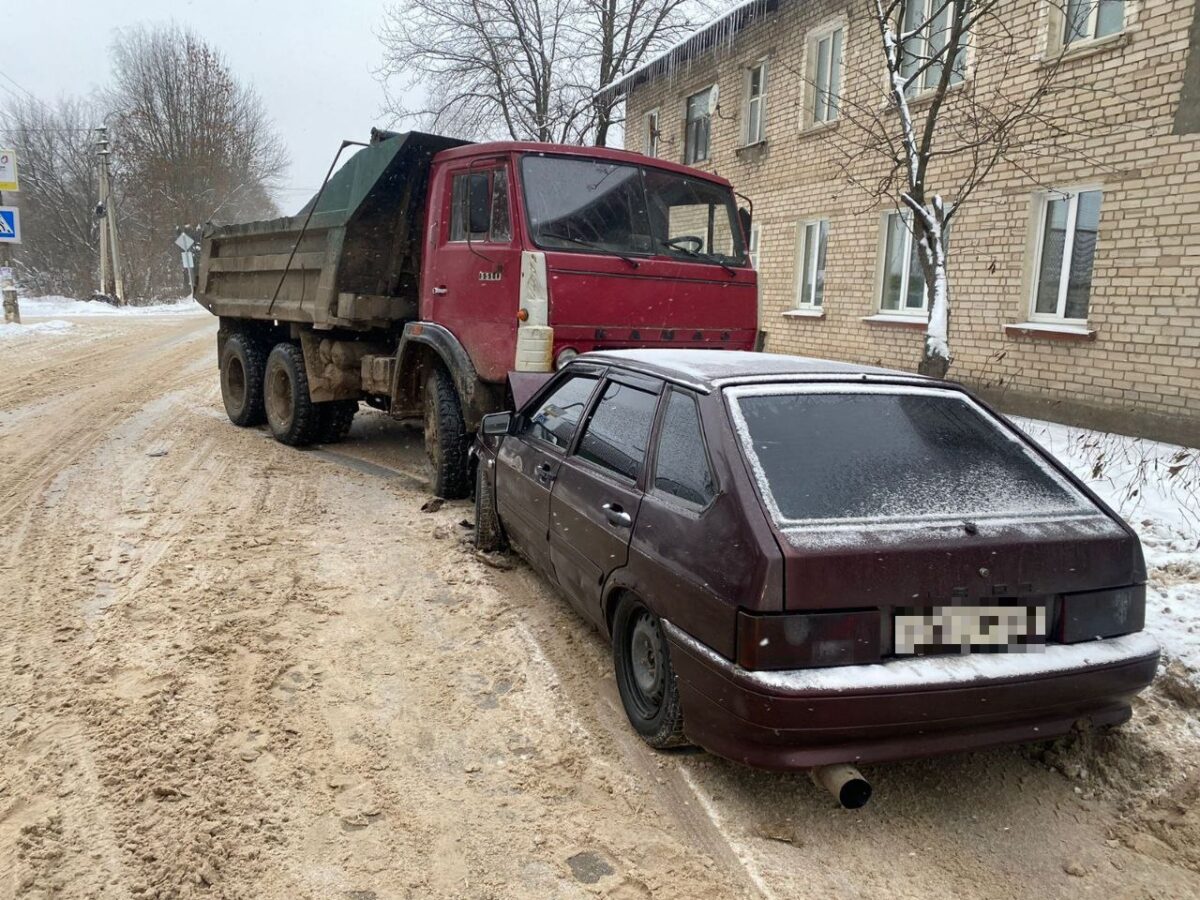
803, 563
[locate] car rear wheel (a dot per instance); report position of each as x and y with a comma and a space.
243, 363
291, 414
645, 676
489, 536
445, 436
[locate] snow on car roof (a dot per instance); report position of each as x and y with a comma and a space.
709, 367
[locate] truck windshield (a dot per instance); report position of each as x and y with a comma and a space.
618, 208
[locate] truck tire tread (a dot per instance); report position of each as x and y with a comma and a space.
447, 445
253, 361
300, 428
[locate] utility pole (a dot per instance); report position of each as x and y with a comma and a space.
12, 311
110, 248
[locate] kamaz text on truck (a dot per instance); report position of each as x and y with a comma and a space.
426, 270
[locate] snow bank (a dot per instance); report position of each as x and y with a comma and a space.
1156, 487
66, 306
54, 326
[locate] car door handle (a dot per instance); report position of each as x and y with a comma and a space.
439, 290
616, 516
544, 473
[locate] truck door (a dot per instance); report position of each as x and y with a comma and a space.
474, 280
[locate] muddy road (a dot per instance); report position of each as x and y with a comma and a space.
234, 669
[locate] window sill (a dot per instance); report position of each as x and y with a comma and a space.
897, 321
1084, 49
813, 312
818, 127
755, 151
1050, 331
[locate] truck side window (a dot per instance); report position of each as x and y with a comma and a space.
558, 415
619, 431
479, 203
681, 466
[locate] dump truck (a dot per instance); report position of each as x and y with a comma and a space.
428, 269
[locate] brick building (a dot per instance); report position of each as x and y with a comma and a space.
1075, 283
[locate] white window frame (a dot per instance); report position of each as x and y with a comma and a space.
755, 240
687, 123
1042, 199
812, 67
921, 88
749, 101
1060, 9
806, 253
650, 133
901, 310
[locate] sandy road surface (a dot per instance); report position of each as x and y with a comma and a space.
232, 669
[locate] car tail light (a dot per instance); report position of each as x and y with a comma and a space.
809, 640
1101, 614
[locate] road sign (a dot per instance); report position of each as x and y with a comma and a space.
185, 242
8, 171
188, 260
10, 225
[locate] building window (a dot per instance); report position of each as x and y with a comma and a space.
810, 263
1068, 223
825, 75
755, 114
752, 250
1090, 20
928, 24
650, 139
698, 121
903, 279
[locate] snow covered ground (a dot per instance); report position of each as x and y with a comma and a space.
10, 331
65, 306
1156, 487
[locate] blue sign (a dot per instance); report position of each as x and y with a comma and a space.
10, 225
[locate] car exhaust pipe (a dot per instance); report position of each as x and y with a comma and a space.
844, 782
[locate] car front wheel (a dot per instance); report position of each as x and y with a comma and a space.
645, 676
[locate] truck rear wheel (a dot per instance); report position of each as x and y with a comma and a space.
334, 420
291, 414
445, 436
243, 364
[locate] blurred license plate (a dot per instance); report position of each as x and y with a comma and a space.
966, 629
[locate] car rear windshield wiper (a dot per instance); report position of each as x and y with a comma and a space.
707, 257
591, 244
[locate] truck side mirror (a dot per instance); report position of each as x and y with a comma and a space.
496, 424
744, 218
479, 203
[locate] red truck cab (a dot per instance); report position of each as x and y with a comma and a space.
537, 253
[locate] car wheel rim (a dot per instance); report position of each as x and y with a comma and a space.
279, 398
646, 663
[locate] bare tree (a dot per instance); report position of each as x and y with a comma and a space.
958, 103
523, 69
55, 148
191, 144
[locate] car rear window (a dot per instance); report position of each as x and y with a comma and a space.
834, 453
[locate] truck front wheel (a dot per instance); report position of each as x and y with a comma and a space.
243, 364
445, 436
291, 414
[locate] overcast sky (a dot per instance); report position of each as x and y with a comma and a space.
310, 61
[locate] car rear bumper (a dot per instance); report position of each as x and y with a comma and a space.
905, 708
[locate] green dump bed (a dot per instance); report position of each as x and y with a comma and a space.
357, 263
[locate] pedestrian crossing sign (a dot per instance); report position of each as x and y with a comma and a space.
10, 225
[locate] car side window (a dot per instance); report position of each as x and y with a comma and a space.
555, 419
681, 466
618, 432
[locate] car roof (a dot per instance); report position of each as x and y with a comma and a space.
710, 369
